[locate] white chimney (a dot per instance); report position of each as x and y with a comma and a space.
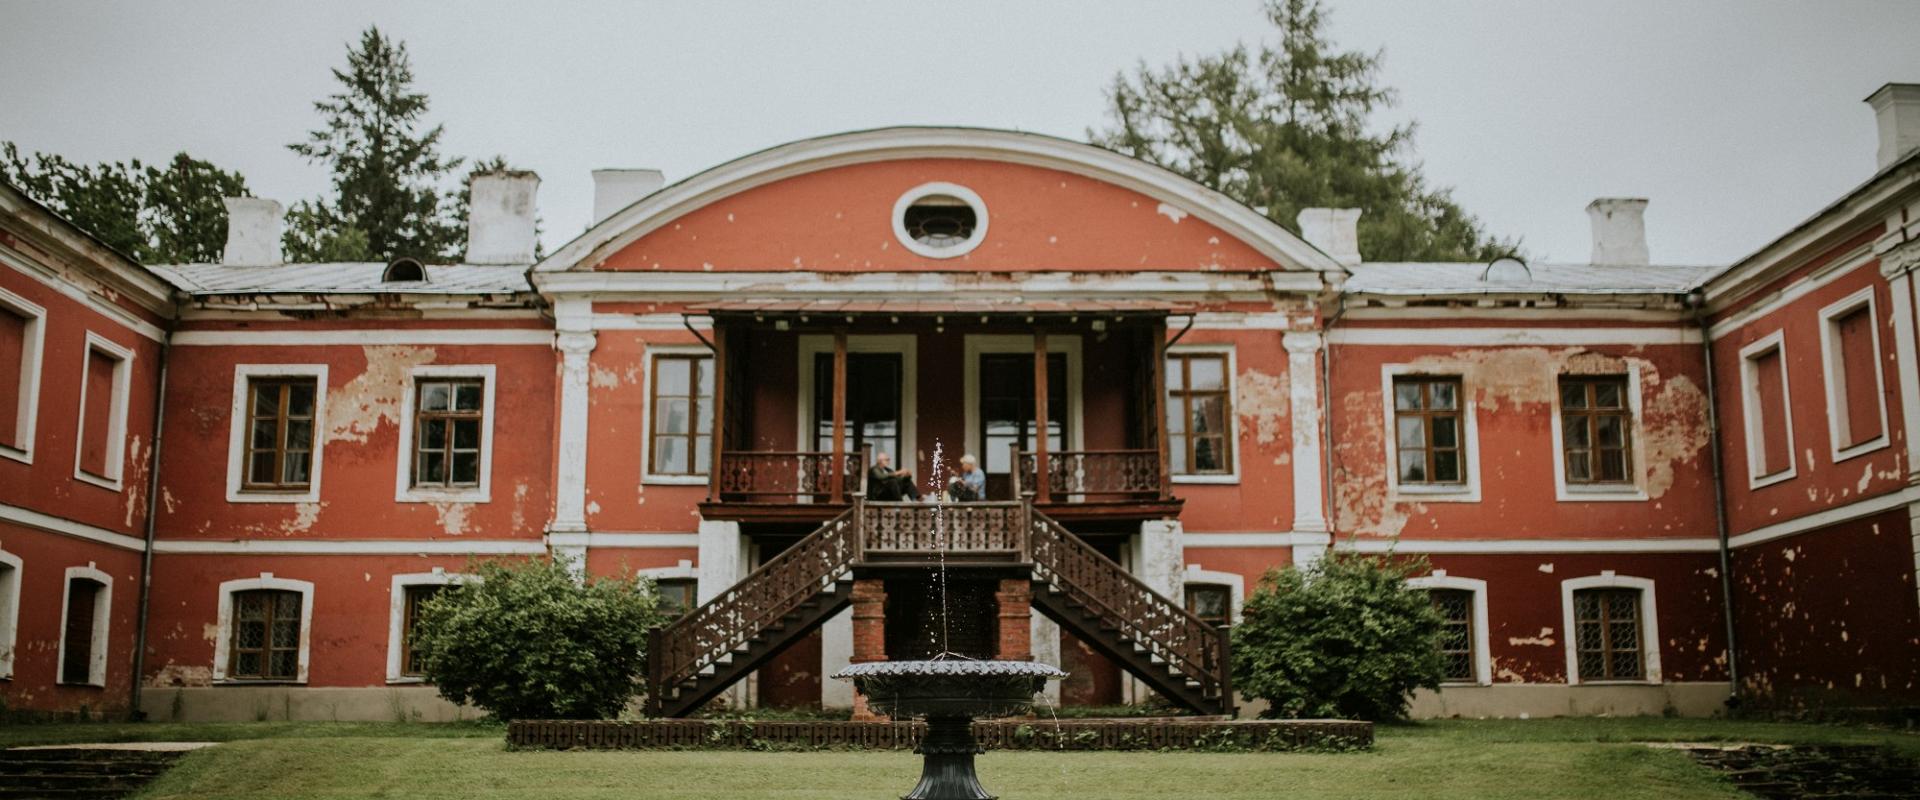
615, 189
1896, 107
1336, 231
253, 231
500, 218
1619, 230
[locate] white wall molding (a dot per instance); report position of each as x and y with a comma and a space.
404, 490
570, 462
12, 573
382, 336
79, 530
223, 645
1632, 491
1235, 582
65, 287
1833, 370
1517, 336
1468, 489
1487, 546
1790, 293
1232, 378
642, 540
118, 408
1256, 539
355, 547
1303, 374
397, 616
1751, 420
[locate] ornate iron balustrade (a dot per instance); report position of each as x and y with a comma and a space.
1167, 629
961, 528
1082, 475
725, 624
788, 476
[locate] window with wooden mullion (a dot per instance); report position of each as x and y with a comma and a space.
1456, 632
1199, 408
279, 434
266, 635
448, 414
1428, 439
1596, 429
411, 664
682, 429
1607, 634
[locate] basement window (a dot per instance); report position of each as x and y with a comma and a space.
940, 220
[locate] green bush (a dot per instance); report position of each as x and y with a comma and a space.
527, 641
1341, 638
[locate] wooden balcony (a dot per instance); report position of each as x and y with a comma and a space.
1087, 484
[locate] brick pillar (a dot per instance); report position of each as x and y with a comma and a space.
869, 634
1016, 619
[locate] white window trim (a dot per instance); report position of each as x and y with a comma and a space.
1482, 638
33, 349
907, 346
1233, 411
1633, 490
403, 489
223, 646
1468, 491
14, 570
102, 620
955, 190
1649, 624
1750, 410
237, 431
116, 413
646, 417
1834, 367
397, 615
1235, 583
976, 345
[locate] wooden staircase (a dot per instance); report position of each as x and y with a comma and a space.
695, 658
78, 772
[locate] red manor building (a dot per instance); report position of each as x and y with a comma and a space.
224, 487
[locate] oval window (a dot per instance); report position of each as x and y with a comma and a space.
940, 220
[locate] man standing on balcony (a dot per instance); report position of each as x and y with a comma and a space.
969, 484
886, 483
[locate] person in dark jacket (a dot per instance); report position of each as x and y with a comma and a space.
886, 483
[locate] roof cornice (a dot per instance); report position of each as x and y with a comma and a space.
53, 233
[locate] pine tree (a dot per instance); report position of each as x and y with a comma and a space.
387, 201
1285, 128
157, 216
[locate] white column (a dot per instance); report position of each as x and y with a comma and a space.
570, 492
836, 652
723, 562
1898, 265
1309, 507
1159, 561
1045, 642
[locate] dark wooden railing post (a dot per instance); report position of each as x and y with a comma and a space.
656, 663
717, 445
859, 527
1226, 669
1158, 342
1018, 477
1040, 465
837, 480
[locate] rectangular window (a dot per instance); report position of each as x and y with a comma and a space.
280, 413
1768, 437
1199, 413
1596, 429
13, 365
1607, 634
676, 595
449, 415
97, 434
266, 635
1456, 633
682, 426
1856, 403
83, 609
1428, 432
1210, 602
410, 662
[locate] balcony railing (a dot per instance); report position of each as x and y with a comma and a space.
789, 476
1090, 476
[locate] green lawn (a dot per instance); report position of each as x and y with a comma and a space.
1431, 761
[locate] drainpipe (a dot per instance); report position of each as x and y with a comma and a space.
153, 513
1697, 302
1326, 417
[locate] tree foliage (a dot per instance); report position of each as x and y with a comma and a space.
386, 168
525, 640
1343, 637
157, 215
1285, 127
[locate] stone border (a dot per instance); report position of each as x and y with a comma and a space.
1163, 733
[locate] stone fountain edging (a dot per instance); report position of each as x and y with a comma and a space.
1146, 733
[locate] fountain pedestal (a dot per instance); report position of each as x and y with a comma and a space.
946, 768
949, 693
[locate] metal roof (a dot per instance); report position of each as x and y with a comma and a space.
343, 278
1417, 278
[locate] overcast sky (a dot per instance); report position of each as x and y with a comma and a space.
1737, 118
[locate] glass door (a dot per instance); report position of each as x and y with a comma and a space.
1007, 414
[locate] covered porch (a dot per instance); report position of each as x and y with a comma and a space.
1061, 403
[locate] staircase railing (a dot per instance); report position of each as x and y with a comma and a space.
721, 626
909, 530
1164, 627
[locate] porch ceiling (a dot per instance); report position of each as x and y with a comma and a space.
1011, 307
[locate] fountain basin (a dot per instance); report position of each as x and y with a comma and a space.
950, 687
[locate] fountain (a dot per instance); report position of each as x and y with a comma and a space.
949, 692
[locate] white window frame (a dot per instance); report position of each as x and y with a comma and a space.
1649, 625
397, 615
33, 350
102, 623
1635, 489
237, 432
907, 346
1750, 410
955, 190
403, 489
1467, 491
223, 645
1235, 583
1482, 638
116, 413
975, 345
1834, 367
12, 572
648, 355
1233, 409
